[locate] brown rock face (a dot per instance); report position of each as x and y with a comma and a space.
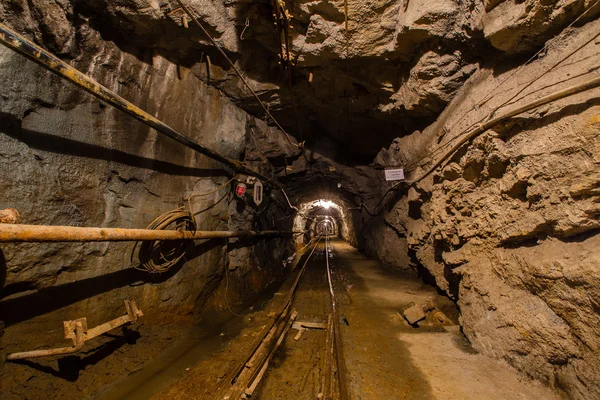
508, 227
518, 26
68, 159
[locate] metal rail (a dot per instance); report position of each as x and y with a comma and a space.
41, 233
243, 381
339, 347
250, 365
23, 46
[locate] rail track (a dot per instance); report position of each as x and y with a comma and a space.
243, 380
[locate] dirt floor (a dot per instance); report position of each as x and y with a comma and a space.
134, 362
385, 357
104, 360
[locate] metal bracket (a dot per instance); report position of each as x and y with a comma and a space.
302, 326
77, 330
70, 328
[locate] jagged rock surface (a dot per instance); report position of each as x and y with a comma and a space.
404, 62
68, 159
509, 226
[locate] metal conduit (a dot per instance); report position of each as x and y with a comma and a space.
44, 233
23, 46
571, 90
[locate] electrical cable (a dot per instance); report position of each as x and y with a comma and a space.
236, 70
489, 95
158, 256
244, 81
590, 84
544, 73
376, 213
226, 286
441, 147
206, 194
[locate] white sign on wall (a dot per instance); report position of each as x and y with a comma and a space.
394, 174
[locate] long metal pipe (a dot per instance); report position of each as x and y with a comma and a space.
561, 94
22, 45
43, 233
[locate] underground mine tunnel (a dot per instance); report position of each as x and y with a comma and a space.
310, 199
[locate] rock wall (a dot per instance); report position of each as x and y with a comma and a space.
509, 226
68, 159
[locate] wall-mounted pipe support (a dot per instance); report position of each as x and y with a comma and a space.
79, 341
9, 216
54, 64
42, 233
78, 331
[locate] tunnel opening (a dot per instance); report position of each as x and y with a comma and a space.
321, 216
297, 199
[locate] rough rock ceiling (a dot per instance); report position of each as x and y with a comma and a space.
404, 62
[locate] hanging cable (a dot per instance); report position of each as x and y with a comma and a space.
590, 84
226, 287
245, 27
563, 59
483, 101
158, 256
189, 200
496, 109
376, 213
236, 70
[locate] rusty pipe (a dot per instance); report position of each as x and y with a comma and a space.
44, 233
35, 53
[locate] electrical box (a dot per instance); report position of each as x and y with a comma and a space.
249, 186
240, 190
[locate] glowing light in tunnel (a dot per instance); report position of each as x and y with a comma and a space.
326, 204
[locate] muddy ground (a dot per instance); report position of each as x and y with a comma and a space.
385, 357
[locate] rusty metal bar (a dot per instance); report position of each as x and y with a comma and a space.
79, 342
77, 331
327, 376
23, 46
42, 233
133, 313
254, 366
249, 391
228, 386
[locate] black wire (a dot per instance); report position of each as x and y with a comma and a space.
362, 205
